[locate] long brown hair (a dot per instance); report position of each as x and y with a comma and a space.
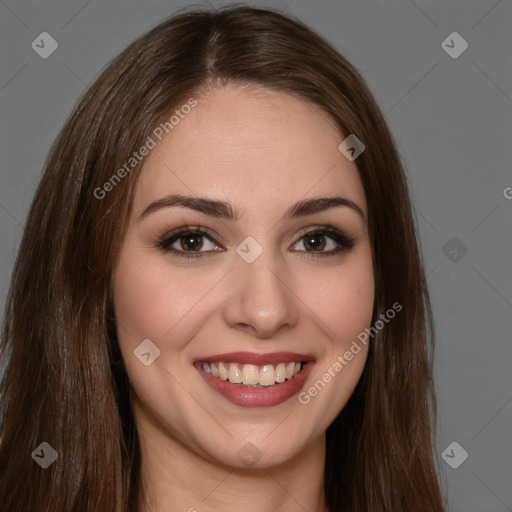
65, 382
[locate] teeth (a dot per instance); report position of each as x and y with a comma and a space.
223, 371
268, 375
280, 372
234, 375
251, 375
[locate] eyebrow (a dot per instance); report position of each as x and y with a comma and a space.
224, 210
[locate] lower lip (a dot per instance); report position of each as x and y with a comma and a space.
267, 396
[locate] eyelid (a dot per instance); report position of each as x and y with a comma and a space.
331, 231
313, 229
166, 235
343, 240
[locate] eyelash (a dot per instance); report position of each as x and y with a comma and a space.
345, 242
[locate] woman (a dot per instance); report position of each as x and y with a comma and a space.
218, 299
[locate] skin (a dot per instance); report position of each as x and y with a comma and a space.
262, 151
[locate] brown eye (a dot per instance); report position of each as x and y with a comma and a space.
318, 242
191, 242
323, 241
314, 242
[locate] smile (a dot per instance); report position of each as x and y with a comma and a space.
256, 380
252, 375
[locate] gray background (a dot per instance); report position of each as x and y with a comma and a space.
451, 119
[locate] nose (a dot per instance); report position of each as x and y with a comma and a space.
262, 302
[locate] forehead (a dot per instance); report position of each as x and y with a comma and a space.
256, 147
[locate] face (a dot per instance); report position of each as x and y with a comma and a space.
244, 280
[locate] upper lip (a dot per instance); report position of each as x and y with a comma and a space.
256, 359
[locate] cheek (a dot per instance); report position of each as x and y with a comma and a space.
148, 302
139, 303
343, 300
153, 303
345, 307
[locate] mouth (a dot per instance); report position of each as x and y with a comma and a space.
256, 380
250, 375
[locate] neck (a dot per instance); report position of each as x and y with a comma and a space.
176, 478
